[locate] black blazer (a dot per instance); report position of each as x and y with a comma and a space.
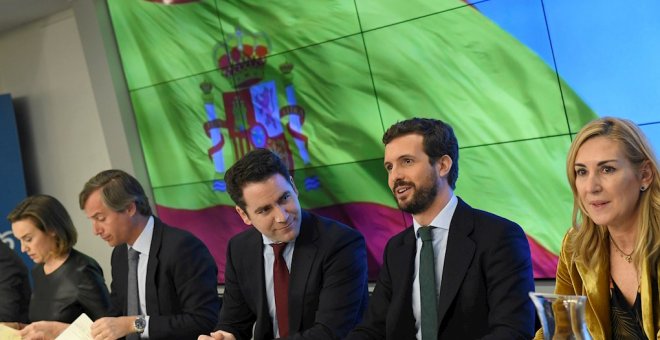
76, 287
327, 287
485, 281
181, 288
14, 286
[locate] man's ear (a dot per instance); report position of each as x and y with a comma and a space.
131, 209
244, 216
293, 185
443, 165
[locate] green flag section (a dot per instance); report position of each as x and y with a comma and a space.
377, 14
531, 189
459, 67
289, 25
159, 43
318, 82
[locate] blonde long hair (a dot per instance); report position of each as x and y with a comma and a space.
588, 240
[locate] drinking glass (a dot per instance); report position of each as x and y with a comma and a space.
562, 316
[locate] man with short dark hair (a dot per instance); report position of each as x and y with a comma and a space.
163, 278
458, 272
295, 274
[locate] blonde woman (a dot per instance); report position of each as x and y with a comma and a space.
611, 253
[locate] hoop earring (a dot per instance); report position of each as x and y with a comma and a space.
642, 188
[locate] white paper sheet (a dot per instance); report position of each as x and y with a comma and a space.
80, 329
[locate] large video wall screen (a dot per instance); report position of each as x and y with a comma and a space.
319, 82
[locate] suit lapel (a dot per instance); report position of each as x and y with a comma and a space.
649, 304
458, 256
404, 261
253, 257
152, 266
596, 285
122, 272
304, 255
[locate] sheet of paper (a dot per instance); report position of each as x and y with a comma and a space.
8, 333
81, 329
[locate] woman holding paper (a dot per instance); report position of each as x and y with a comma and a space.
67, 282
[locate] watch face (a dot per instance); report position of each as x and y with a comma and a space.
140, 323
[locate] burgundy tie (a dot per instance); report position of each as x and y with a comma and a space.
281, 283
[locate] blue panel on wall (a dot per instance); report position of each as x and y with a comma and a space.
12, 180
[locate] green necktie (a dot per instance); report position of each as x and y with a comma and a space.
427, 288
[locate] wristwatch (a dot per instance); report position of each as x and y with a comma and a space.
140, 323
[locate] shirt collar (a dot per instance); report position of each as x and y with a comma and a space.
443, 218
143, 242
268, 241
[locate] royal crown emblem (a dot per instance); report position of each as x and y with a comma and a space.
244, 62
254, 117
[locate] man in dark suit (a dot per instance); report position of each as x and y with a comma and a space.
327, 284
174, 294
14, 288
458, 272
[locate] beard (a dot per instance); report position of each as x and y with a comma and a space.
422, 198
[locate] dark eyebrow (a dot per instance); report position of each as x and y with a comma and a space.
399, 158
261, 208
270, 205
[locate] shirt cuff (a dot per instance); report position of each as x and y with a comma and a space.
145, 334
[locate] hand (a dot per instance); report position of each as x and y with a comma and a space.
14, 325
218, 335
113, 328
36, 335
43, 330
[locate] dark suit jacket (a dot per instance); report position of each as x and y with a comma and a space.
14, 287
327, 287
181, 288
485, 281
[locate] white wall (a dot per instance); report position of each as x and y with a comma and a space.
43, 67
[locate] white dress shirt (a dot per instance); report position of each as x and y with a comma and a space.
269, 262
440, 234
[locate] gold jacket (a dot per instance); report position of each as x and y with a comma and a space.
577, 279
